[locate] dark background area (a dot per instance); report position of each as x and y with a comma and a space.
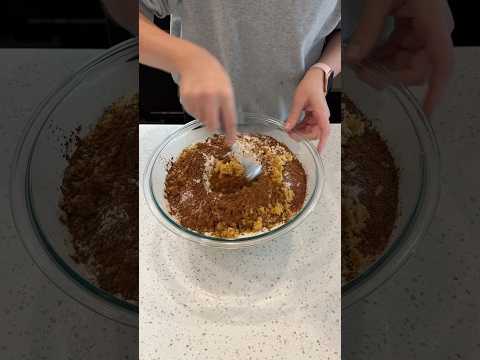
65, 24
74, 24
57, 24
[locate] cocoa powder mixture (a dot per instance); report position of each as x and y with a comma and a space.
369, 192
100, 200
207, 191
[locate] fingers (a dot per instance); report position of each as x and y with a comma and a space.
203, 108
229, 118
420, 49
416, 69
295, 112
368, 30
439, 48
440, 52
439, 77
210, 114
307, 129
324, 133
315, 126
216, 110
189, 105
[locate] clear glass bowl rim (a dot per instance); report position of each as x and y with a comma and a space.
166, 220
400, 250
95, 298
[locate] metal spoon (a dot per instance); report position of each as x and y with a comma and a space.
251, 166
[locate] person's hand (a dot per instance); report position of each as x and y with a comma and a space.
310, 99
206, 92
419, 50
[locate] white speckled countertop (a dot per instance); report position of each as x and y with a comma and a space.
280, 300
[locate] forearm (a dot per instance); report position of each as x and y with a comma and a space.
332, 54
160, 50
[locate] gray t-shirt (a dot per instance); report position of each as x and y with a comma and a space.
266, 46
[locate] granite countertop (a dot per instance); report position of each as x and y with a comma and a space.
279, 300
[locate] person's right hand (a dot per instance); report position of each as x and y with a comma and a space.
206, 92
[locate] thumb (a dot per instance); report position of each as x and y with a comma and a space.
295, 113
368, 29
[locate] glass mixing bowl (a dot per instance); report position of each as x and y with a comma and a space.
193, 132
39, 165
396, 114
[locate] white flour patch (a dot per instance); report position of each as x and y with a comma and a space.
186, 196
207, 171
111, 217
247, 146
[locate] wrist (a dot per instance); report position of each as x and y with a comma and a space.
184, 54
327, 75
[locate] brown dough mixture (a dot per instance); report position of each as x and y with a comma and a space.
100, 200
369, 192
208, 193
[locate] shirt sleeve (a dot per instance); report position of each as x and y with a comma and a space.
339, 25
159, 8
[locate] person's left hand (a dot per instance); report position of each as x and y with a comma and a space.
418, 51
310, 99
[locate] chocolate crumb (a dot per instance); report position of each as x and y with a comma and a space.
370, 186
207, 191
100, 199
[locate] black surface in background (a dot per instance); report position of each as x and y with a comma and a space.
57, 24
466, 21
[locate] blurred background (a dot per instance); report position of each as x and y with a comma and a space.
63, 24
57, 24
